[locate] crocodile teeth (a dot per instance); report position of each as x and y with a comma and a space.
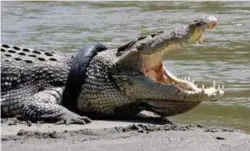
214, 84
203, 86
223, 87
218, 87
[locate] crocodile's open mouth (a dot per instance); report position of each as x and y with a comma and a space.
146, 55
161, 75
156, 71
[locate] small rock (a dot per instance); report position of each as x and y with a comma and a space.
53, 134
124, 130
140, 130
211, 130
65, 131
4, 139
168, 125
227, 130
220, 138
29, 123
190, 126
134, 127
12, 122
147, 127
167, 128
21, 132
45, 135
200, 126
19, 117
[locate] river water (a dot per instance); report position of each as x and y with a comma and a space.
224, 56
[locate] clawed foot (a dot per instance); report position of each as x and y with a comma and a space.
168, 121
73, 118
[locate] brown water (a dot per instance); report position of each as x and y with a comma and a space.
224, 57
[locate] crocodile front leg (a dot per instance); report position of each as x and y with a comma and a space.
43, 106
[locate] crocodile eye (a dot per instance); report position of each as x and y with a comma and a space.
198, 24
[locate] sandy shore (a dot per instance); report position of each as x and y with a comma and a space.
119, 136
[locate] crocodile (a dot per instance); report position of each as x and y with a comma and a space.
99, 82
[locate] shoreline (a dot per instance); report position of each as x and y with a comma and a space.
119, 135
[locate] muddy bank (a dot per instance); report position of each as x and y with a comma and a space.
117, 135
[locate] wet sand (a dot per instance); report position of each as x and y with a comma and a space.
119, 135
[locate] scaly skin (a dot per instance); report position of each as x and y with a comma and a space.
115, 83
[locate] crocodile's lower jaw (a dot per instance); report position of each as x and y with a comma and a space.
161, 75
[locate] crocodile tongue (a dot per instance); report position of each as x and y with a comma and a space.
160, 74
187, 85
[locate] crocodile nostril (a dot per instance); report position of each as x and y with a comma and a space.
141, 38
153, 35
